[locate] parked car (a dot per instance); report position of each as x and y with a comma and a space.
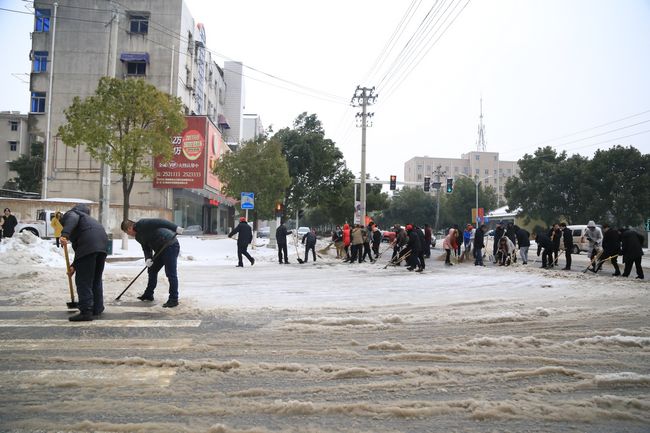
578, 231
302, 231
40, 226
264, 232
193, 231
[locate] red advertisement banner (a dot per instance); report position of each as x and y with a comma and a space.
187, 166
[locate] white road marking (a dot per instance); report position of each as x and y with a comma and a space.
122, 376
106, 344
146, 308
100, 323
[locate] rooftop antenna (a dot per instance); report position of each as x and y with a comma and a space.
480, 142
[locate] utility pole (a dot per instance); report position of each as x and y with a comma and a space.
105, 184
437, 172
363, 97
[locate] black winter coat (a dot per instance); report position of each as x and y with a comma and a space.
153, 233
611, 243
376, 237
511, 234
567, 237
479, 239
413, 242
523, 238
556, 238
631, 245
498, 233
9, 225
281, 234
245, 234
309, 238
421, 239
85, 233
543, 241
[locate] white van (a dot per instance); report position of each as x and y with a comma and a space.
578, 231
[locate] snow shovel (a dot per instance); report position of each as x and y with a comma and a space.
72, 304
295, 244
401, 258
168, 243
593, 263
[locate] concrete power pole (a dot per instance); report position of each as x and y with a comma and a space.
105, 184
437, 172
363, 97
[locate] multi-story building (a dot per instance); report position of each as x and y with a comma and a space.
13, 142
75, 44
252, 127
484, 166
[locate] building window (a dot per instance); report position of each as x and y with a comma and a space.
40, 61
42, 23
38, 102
136, 68
13, 146
419, 168
477, 156
455, 169
139, 23
419, 177
14, 125
509, 171
487, 171
478, 171
466, 170
495, 157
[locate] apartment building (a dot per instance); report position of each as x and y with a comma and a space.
484, 166
13, 142
75, 43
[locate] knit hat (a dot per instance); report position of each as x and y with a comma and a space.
242, 219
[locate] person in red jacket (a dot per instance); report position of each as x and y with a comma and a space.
346, 241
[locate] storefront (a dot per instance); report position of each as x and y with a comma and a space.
203, 208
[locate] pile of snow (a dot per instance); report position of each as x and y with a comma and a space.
26, 248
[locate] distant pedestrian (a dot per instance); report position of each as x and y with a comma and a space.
555, 233
544, 247
346, 241
157, 238
428, 236
631, 243
89, 241
376, 240
281, 238
356, 242
243, 240
449, 244
9, 224
55, 223
367, 252
309, 241
611, 248
567, 238
523, 242
479, 244
413, 248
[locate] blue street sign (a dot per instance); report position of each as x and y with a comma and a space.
248, 200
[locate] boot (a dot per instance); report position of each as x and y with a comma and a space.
171, 303
145, 297
83, 316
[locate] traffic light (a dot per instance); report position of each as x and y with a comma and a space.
450, 185
279, 209
427, 183
393, 182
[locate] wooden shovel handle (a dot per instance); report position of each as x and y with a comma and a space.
67, 268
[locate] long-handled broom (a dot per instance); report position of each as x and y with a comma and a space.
72, 304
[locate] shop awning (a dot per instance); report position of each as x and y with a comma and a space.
134, 57
222, 121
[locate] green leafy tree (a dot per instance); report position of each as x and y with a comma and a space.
456, 208
259, 166
410, 205
29, 169
316, 166
539, 188
124, 124
339, 208
617, 186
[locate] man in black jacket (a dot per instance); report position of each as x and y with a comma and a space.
158, 239
281, 237
479, 244
243, 240
567, 238
611, 248
9, 224
556, 239
413, 246
498, 233
631, 242
89, 241
309, 241
544, 242
523, 242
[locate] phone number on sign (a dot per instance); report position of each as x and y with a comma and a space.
178, 174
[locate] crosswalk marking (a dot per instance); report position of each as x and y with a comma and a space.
100, 323
106, 343
124, 376
146, 308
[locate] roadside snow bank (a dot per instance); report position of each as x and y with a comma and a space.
25, 248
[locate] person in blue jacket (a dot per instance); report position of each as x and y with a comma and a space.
161, 248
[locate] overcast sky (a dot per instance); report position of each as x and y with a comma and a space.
551, 72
